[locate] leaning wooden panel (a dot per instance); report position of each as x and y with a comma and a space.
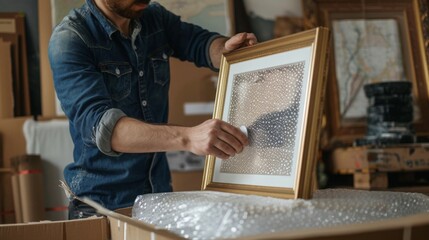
276, 90
12, 29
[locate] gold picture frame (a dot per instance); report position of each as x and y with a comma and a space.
275, 89
358, 57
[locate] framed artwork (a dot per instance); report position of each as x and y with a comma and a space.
275, 89
372, 41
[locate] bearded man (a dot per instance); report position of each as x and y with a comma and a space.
110, 62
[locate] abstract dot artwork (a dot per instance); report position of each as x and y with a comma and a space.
267, 103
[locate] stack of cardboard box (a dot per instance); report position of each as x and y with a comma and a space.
12, 144
14, 100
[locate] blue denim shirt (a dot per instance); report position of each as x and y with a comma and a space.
100, 76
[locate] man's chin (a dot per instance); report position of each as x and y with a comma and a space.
139, 7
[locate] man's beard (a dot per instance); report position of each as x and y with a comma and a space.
125, 11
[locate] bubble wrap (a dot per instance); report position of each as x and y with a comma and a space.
267, 102
212, 215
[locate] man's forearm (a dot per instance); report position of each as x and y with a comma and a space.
216, 49
212, 137
134, 136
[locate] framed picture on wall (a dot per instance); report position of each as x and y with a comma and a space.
372, 41
275, 89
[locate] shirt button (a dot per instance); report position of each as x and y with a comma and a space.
141, 73
144, 103
164, 56
117, 71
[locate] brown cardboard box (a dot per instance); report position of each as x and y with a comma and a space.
415, 227
189, 84
120, 226
186, 180
13, 145
95, 228
370, 180
27, 186
123, 227
411, 157
4, 172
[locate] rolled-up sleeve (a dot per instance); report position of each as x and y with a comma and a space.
103, 134
81, 89
208, 58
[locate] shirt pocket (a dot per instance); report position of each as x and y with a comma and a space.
160, 66
118, 79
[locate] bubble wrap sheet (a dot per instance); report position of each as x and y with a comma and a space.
212, 215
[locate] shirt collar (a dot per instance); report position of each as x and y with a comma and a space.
108, 26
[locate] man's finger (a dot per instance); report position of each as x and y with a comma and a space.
239, 40
232, 141
251, 39
239, 135
225, 147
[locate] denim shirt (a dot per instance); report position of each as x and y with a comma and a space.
100, 76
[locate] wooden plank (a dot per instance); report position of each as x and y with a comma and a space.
13, 30
46, 80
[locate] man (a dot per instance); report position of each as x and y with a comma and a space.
110, 64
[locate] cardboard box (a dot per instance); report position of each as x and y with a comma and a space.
190, 85
368, 180
415, 227
186, 180
95, 228
4, 172
118, 225
13, 144
50, 138
27, 186
413, 157
123, 227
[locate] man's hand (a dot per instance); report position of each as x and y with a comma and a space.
216, 137
223, 45
240, 40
